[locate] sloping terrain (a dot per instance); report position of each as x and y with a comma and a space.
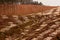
22, 9
39, 26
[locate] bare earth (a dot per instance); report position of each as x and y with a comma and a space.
11, 9
40, 26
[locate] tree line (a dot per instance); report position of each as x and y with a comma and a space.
21, 2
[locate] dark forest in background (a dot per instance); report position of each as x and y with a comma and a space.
10, 1
21, 2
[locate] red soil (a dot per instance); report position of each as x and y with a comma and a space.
22, 9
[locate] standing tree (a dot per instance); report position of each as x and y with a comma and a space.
40, 3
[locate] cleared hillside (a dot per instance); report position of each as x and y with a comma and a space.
22, 9
31, 27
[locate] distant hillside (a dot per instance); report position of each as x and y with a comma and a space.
22, 9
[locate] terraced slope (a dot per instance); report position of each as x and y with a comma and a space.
39, 26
